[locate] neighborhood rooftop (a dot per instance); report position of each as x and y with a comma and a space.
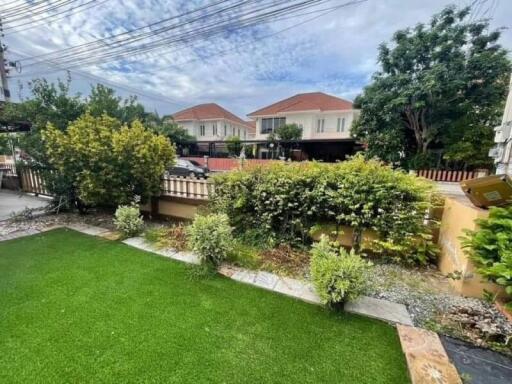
208, 111
314, 101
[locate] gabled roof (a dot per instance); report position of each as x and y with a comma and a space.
252, 126
208, 111
314, 101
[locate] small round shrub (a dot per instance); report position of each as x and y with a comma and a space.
210, 237
128, 220
338, 276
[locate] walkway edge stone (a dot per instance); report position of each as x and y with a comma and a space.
426, 357
380, 309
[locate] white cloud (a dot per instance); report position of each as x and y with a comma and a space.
336, 53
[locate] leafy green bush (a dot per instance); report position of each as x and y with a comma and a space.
106, 163
338, 276
210, 237
490, 247
286, 200
128, 220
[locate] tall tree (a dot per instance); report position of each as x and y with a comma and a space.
104, 100
438, 85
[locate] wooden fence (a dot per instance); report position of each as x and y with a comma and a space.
450, 176
8, 168
32, 182
186, 187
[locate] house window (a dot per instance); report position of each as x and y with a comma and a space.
202, 130
233, 131
214, 129
271, 124
238, 132
341, 125
320, 125
225, 129
245, 133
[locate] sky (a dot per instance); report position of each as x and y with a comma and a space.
241, 70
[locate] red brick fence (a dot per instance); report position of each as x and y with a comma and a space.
225, 164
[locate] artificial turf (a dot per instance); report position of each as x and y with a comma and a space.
79, 309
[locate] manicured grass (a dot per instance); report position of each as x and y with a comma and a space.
75, 308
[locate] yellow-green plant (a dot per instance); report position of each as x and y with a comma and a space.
338, 276
106, 163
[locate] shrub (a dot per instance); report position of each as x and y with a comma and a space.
128, 220
490, 247
210, 237
106, 163
338, 276
287, 200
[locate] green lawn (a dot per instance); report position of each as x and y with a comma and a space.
75, 308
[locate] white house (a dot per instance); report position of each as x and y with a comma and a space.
211, 123
325, 121
320, 116
502, 152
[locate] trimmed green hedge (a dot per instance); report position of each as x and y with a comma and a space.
285, 200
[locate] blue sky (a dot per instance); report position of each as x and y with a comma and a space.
240, 71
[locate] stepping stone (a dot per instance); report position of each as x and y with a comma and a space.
19, 234
111, 235
228, 270
266, 280
380, 309
309, 294
426, 357
290, 287
244, 276
88, 229
187, 257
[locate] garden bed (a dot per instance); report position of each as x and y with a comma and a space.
78, 308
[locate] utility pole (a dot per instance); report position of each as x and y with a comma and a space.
3, 69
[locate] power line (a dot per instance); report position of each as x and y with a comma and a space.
157, 97
324, 12
117, 50
33, 23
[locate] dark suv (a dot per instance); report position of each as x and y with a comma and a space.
189, 168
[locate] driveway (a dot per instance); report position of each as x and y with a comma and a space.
12, 202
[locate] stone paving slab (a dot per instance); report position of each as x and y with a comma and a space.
426, 357
88, 229
266, 280
18, 234
141, 243
380, 309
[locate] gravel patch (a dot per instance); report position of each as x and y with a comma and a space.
432, 304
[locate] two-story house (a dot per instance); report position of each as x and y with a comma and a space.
212, 123
325, 121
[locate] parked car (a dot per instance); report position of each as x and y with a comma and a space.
189, 168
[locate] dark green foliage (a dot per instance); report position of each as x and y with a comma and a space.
441, 85
234, 145
79, 309
284, 201
289, 132
490, 247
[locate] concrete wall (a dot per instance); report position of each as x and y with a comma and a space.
174, 207
459, 214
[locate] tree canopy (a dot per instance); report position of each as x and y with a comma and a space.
104, 162
289, 132
441, 86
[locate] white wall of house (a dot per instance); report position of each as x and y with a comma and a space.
314, 124
214, 130
502, 152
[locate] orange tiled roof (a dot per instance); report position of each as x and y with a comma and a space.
207, 112
314, 101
